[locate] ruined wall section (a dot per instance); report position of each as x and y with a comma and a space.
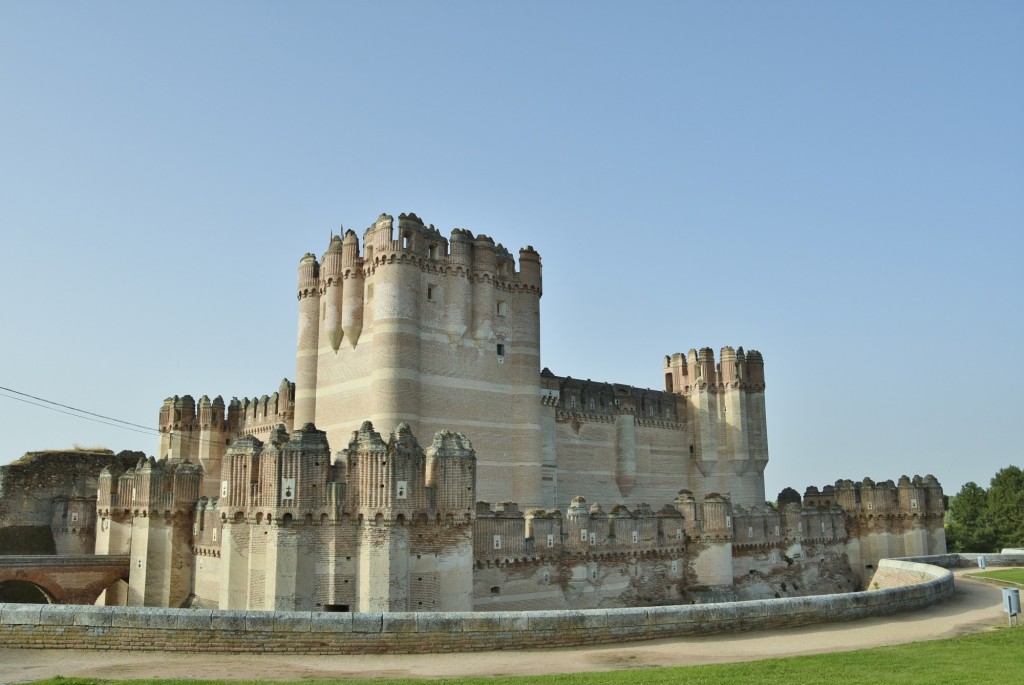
48, 500
789, 552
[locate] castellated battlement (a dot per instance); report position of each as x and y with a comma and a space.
913, 497
609, 494
153, 488
698, 369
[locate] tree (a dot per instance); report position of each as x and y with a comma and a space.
968, 528
1006, 506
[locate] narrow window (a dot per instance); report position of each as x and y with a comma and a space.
593, 538
501, 349
728, 521
432, 251
551, 540
913, 504
750, 531
583, 535
214, 532
679, 533
497, 542
405, 241
636, 537
502, 308
430, 293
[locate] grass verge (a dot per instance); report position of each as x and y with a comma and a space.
1006, 575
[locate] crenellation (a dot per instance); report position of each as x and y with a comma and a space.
608, 494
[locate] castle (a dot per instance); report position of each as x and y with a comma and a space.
296, 500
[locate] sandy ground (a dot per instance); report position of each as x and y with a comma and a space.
975, 607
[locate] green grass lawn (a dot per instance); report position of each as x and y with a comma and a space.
979, 659
1010, 575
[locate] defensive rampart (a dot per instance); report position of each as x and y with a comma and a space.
150, 629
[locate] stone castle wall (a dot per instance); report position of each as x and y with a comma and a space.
146, 629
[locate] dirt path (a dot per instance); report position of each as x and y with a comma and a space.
975, 606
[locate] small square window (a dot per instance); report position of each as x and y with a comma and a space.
501, 349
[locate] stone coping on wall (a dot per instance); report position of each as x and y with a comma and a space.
211, 630
26, 561
970, 559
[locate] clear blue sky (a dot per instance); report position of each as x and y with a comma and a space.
838, 185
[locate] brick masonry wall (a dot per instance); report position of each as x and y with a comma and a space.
204, 630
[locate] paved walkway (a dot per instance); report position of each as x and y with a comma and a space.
975, 607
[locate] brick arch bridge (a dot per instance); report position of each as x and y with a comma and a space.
66, 579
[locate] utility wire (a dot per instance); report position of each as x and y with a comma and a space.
147, 431
80, 411
92, 416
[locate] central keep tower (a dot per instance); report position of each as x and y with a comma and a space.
417, 328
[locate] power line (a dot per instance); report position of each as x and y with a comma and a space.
147, 431
93, 416
80, 411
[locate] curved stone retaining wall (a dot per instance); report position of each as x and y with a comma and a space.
965, 560
131, 628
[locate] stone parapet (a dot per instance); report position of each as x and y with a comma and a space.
192, 630
969, 560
